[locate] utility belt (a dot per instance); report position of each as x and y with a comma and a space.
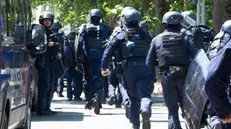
177, 71
127, 64
49, 57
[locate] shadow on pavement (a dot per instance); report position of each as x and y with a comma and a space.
60, 116
64, 101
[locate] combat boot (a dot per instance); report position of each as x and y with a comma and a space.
88, 105
135, 127
126, 106
97, 106
146, 119
111, 100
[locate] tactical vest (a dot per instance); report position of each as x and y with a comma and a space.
94, 36
139, 48
172, 51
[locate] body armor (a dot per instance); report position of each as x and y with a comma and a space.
136, 45
95, 36
172, 51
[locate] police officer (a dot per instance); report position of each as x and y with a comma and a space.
91, 37
72, 74
45, 63
130, 45
172, 52
59, 37
220, 41
200, 35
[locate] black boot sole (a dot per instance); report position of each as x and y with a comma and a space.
96, 107
111, 100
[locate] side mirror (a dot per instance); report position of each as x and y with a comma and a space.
38, 43
19, 34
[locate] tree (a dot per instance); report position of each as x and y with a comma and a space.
221, 13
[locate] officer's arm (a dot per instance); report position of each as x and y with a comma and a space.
216, 82
113, 44
151, 59
82, 38
191, 49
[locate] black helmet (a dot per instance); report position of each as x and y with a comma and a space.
131, 17
46, 15
172, 18
56, 26
189, 19
126, 9
95, 13
226, 27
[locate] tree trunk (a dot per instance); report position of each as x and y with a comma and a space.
145, 6
221, 13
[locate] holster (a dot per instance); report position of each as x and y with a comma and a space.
177, 71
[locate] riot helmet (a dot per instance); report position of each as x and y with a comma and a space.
56, 26
172, 18
95, 15
131, 18
126, 9
226, 27
189, 19
46, 15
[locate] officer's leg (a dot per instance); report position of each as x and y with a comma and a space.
111, 89
52, 79
97, 79
118, 98
171, 98
134, 111
134, 107
78, 84
88, 76
97, 87
43, 85
60, 87
125, 97
69, 76
145, 88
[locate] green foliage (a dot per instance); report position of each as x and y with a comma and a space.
178, 5
74, 12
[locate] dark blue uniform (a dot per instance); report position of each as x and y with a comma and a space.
45, 64
113, 83
218, 80
72, 74
136, 77
90, 40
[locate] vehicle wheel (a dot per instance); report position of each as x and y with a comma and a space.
5, 121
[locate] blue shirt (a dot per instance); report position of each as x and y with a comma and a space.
217, 81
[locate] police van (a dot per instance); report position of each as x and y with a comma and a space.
16, 65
